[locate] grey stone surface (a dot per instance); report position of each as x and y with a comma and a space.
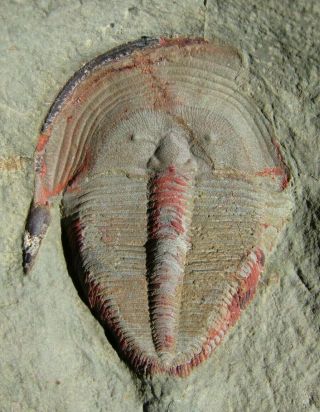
54, 355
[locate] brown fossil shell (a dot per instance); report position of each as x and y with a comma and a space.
173, 193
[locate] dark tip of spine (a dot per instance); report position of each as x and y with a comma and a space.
36, 228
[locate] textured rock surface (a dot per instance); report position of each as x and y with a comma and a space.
54, 353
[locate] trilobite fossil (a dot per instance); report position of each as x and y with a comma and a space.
173, 191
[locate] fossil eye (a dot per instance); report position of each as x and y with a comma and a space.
173, 194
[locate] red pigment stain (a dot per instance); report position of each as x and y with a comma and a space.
246, 290
168, 193
285, 181
167, 221
177, 225
275, 171
271, 171
42, 141
93, 295
43, 170
286, 175
43, 194
169, 341
77, 228
165, 42
110, 318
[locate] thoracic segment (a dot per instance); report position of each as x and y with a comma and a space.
170, 212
